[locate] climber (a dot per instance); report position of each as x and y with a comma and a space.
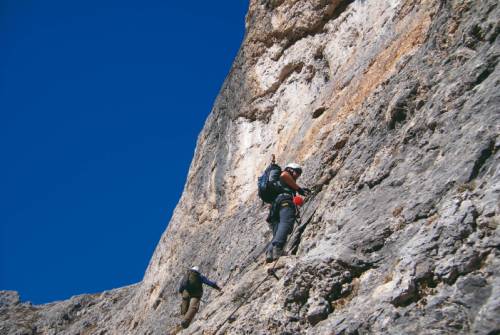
191, 289
283, 211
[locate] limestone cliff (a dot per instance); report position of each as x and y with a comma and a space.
392, 107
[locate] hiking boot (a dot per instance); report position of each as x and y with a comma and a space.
269, 255
277, 252
185, 324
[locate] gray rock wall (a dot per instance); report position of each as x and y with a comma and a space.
392, 108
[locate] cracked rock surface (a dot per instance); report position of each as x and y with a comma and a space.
392, 107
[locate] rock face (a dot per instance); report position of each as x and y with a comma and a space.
392, 107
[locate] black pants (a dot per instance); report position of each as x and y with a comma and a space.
284, 225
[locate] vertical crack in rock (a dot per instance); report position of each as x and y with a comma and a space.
484, 155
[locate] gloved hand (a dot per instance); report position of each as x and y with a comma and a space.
303, 191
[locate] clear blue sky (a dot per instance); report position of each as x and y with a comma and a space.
101, 103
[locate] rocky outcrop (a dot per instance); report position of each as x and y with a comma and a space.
392, 108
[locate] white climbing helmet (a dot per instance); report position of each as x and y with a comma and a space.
294, 166
195, 268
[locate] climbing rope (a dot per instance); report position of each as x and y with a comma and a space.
269, 272
246, 263
298, 229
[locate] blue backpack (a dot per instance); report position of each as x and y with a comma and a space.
267, 183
